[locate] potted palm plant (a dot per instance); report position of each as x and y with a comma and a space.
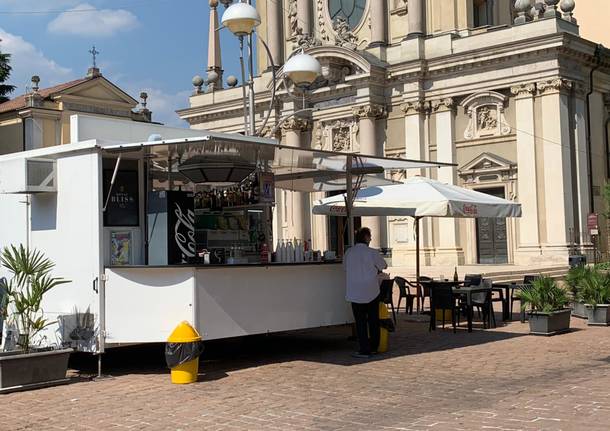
595, 292
574, 280
546, 302
23, 363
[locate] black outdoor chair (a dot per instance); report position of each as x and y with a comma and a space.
483, 301
386, 295
472, 279
527, 282
423, 292
441, 298
404, 289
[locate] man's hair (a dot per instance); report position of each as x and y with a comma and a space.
362, 234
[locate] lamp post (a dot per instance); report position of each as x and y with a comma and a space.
302, 69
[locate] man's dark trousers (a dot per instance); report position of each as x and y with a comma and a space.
367, 322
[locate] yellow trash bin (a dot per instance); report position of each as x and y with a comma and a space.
182, 351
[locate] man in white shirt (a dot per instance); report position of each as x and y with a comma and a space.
362, 265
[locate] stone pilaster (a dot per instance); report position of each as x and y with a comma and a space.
448, 251
371, 145
581, 155
527, 180
297, 205
275, 31
558, 198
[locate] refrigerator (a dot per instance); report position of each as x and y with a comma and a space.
171, 227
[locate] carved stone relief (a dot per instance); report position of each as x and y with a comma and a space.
337, 135
344, 35
486, 115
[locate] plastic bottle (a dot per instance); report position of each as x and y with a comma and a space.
290, 252
283, 252
278, 251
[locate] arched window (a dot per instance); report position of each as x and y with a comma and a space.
350, 10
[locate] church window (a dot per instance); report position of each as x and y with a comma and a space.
351, 11
482, 11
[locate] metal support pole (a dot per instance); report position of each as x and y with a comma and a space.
251, 101
243, 83
350, 201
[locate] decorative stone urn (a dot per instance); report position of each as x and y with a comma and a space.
522, 7
567, 7
551, 9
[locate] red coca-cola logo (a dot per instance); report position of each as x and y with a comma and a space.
470, 209
184, 232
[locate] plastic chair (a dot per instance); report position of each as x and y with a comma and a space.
472, 280
441, 298
483, 302
386, 295
423, 291
527, 281
404, 286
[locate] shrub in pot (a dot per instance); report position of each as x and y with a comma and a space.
23, 363
574, 280
595, 293
545, 303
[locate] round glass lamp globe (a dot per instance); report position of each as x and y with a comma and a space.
302, 69
240, 19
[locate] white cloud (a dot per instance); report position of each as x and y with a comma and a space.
27, 60
82, 20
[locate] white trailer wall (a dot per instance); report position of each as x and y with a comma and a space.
66, 227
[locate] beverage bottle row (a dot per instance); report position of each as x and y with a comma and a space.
287, 251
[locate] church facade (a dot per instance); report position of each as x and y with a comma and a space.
506, 90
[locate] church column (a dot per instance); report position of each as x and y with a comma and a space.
274, 31
379, 32
558, 199
416, 16
448, 250
298, 206
304, 15
527, 184
371, 145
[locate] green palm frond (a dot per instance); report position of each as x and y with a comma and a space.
31, 281
544, 295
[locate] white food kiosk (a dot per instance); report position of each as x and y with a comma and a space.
156, 225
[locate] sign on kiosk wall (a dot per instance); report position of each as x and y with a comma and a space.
124, 203
180, 227
267, 187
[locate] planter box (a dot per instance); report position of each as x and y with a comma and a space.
579, 310
599, 315
555, 322
22, 371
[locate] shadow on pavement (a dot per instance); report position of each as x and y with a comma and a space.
322, 345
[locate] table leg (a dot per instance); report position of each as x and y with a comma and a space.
470, 312
505, 304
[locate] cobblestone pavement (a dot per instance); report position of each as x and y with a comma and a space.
499, 379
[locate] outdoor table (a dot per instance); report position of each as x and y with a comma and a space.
468, 291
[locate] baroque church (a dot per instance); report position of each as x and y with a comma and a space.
506, 90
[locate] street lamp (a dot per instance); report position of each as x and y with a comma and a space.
241, 19
302, 69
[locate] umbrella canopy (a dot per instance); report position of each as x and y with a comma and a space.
420, 197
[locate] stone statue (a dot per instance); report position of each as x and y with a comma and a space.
345, 37
295, 29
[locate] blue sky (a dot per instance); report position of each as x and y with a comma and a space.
151, 45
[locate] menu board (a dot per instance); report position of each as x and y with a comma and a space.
120, 248
124, 202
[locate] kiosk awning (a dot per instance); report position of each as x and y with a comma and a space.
298, 169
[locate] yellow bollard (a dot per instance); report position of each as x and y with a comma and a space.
186, 372
384, 315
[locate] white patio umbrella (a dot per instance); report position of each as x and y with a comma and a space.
420, 197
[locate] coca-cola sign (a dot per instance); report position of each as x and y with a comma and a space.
181, 221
